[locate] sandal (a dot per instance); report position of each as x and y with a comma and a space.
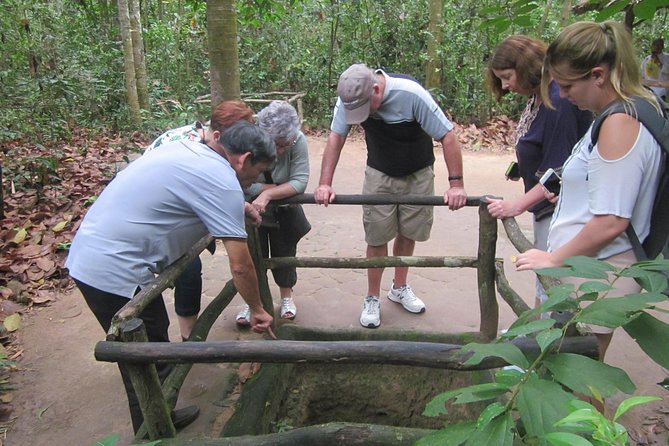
288, 308
244, 316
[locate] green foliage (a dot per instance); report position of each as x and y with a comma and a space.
533, 401
586, 419
62, 64
113, 439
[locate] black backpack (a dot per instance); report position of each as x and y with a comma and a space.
658, 125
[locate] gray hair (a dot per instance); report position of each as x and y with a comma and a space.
243, 137
280, 120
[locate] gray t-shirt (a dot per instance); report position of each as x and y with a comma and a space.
152, 213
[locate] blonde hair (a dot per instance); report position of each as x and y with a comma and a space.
582, 46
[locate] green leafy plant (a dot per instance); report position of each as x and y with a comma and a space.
284, 425
113, 439
586, 419
534, 401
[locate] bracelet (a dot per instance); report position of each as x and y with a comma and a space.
455, 177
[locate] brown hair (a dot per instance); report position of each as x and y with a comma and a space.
229, 112
521, 53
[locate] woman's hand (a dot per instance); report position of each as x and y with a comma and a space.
535, 259
261, 202
503, 208
550, 196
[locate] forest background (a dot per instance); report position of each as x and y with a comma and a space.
62, 65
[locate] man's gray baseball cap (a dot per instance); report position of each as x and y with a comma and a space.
355, 89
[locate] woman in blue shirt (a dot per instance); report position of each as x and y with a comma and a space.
544, 136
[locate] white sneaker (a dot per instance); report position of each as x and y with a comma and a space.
404, 295
244, 316
288, 308
371, 312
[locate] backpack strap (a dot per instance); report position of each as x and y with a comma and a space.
658, 126
644, 112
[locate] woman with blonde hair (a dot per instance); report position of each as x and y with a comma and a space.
611, 184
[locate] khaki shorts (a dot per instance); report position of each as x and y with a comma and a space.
383, 223
623, 285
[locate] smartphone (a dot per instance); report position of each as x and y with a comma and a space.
551, 181
512, 172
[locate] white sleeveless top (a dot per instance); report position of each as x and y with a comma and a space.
591, 186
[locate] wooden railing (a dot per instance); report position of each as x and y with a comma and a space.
126, 339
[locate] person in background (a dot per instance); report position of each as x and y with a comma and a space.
188, 190
401, 120
544, 136
607, 187
655, 69
188, 286
289, 177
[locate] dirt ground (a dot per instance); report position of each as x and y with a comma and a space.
64, 396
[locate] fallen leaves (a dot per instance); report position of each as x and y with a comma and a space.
497, 136
12, 322
51, 186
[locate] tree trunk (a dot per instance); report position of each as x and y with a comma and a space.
433, 64
138, 55
128, 62
566, 13
544, 17
629, 18
223, 56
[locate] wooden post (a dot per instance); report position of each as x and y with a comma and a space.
141, 300
256, 253
145, 380
172, 384
486, 272
512, 298
522, 244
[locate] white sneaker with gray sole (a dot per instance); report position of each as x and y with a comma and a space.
371, 312
404, 295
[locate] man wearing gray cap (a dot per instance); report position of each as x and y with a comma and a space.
401, 119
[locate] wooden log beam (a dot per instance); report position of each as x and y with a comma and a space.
429, 200
200, 331
172, 384
374, 262
422, 354
522, 244
515, 234
166, 279
330, 434
504, 289
144, 378
253, 242
296, 332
